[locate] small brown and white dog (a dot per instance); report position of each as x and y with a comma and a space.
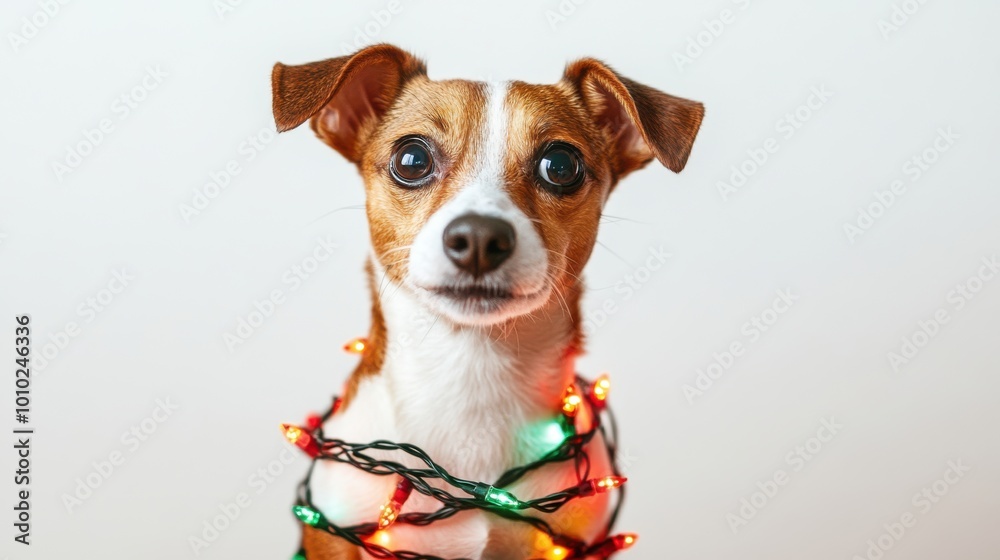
483, 203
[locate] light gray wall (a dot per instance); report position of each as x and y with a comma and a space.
690, 463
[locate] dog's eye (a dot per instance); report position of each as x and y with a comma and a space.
560, 169
411, 163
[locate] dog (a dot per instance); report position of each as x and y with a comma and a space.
483, 203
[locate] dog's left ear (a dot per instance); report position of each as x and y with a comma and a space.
343, 96
641, 122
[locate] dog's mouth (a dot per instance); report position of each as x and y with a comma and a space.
477, 303
474, 293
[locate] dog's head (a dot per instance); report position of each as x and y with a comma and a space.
484, 199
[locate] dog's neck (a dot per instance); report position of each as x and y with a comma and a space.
455, 388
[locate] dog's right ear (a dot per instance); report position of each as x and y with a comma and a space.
343, 96
642, 123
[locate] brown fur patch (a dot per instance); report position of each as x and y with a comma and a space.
374, 355
567, 224
449, 114
320, 545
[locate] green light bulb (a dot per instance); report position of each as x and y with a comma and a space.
555, 432
501, 498
299, 556
307, 515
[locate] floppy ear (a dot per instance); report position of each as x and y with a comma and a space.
641, 122
343, 96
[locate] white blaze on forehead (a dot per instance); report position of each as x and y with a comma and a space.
494, 135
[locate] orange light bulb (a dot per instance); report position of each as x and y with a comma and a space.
381, 538
387, 516
609, 482
601, 388
557, 553
356, 346
626, 540
571, 402
292, 433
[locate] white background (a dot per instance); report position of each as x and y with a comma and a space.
690, 463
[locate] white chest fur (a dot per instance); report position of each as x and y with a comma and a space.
472, 398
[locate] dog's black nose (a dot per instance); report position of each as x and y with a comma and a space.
478, 244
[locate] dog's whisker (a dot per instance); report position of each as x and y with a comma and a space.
382, 283
565, 305
397, 249
563, 269
331, 212
398, 286
558, 254
623, 219
429, 329
619, 257
566, 271
398, 262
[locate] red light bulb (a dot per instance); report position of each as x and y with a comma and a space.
314, 421
390, 510
301, 439
602, 485
614, 544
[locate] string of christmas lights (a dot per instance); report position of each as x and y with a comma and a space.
374, 537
